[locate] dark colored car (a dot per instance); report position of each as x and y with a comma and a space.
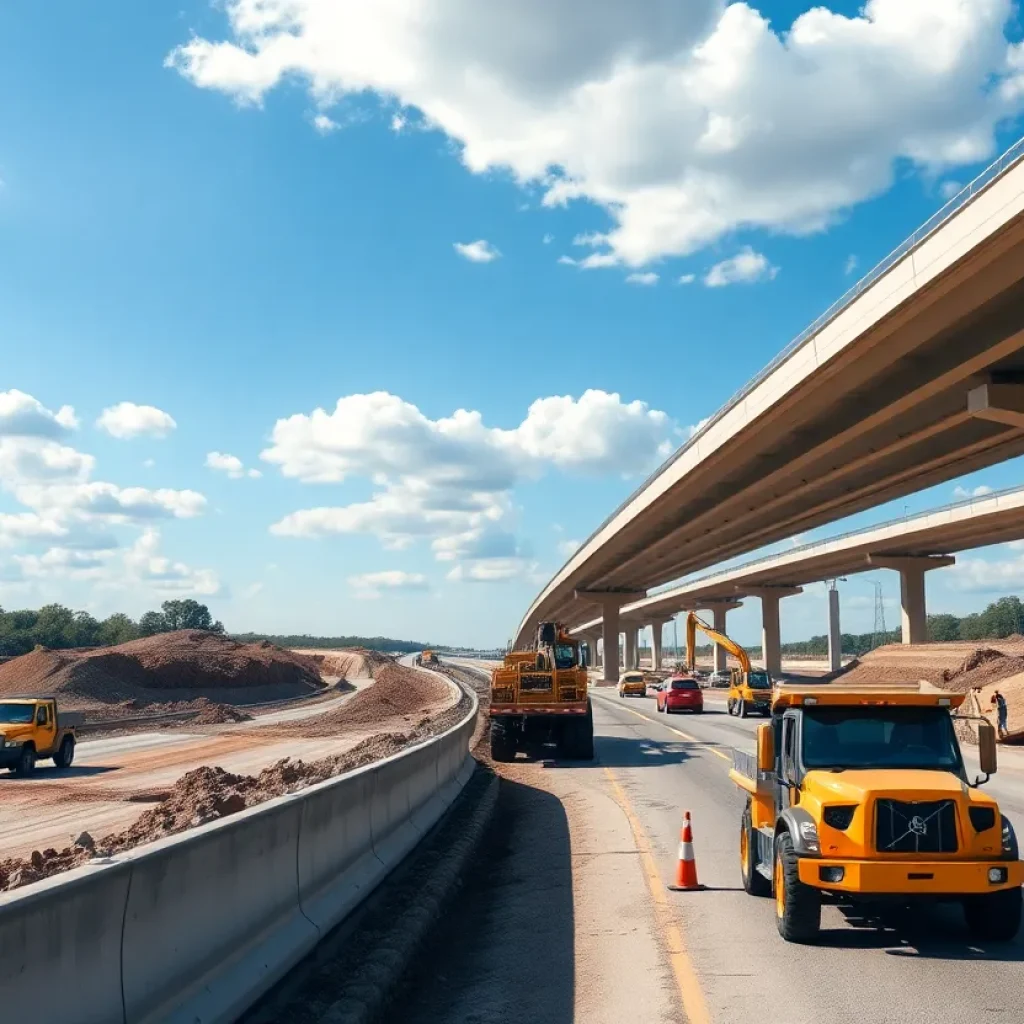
681, 693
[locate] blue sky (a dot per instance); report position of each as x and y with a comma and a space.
237, 214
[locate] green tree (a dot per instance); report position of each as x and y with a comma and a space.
152, 623
189, 614
943, 628
85, 630
118, 629
55, 627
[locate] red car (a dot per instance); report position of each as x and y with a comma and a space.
681, 693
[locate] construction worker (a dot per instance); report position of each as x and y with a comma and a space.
1000, 704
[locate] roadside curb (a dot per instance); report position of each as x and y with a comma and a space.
355, 975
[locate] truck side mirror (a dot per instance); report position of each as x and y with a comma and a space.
987, 747
765, 748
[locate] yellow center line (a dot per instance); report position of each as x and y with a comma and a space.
665, 725
690, 992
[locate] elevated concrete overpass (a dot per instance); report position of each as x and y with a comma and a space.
912, 546
916, 376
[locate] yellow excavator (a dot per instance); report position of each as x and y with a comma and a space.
750, 689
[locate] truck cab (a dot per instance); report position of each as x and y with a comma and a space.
749, 692
32, 728
864, 795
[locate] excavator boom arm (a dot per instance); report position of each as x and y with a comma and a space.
693, 623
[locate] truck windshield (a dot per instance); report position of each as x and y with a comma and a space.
565, 656
880, 737
16, 714
759, 680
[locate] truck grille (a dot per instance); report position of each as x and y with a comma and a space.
916, 827
535, 682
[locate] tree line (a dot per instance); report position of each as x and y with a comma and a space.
60, 628
371, 643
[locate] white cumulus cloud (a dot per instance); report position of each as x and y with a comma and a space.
746, 267
231, 465
146, 565
448, 481
21, 415
127, 420
479, 251
684, 121
374, 584
977, 492
325, 125
647, 278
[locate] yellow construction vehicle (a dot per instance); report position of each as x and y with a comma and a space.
750, 689
540, 695
35, 727
861, 793
427, 658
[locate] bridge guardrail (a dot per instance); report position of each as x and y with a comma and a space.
196, 927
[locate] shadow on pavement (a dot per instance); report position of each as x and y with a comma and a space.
52, 774
622, 752
922, 933
505, 953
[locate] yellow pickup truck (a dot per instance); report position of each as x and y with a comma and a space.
34, 727
632, 684
862, 793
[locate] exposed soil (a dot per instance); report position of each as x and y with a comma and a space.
399, 695
409, 704
960, 667
159, 673
208, 793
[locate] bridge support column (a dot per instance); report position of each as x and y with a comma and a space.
835, 637
657, 645
631, 645
912, 569
771, 638
610, 601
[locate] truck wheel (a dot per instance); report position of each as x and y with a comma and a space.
741, 708
26, 762
994, 916
754, 882
797, 906
503, 742
63, 758
578, 737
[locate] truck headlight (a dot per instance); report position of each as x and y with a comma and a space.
997, 875
809, 834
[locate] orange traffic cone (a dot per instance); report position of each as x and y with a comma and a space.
686, 868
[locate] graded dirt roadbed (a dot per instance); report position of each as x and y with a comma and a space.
115, 779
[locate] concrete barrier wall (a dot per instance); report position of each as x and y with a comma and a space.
197, 927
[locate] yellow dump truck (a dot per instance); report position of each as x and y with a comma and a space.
427, 658
750, 689
862, 793
32, 728
539, 696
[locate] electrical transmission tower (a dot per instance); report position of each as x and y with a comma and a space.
878, 634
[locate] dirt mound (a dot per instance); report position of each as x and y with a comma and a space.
939, 663
980, 668
399, 694
348, 662
185, 665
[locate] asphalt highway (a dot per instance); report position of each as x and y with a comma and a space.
568, 919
